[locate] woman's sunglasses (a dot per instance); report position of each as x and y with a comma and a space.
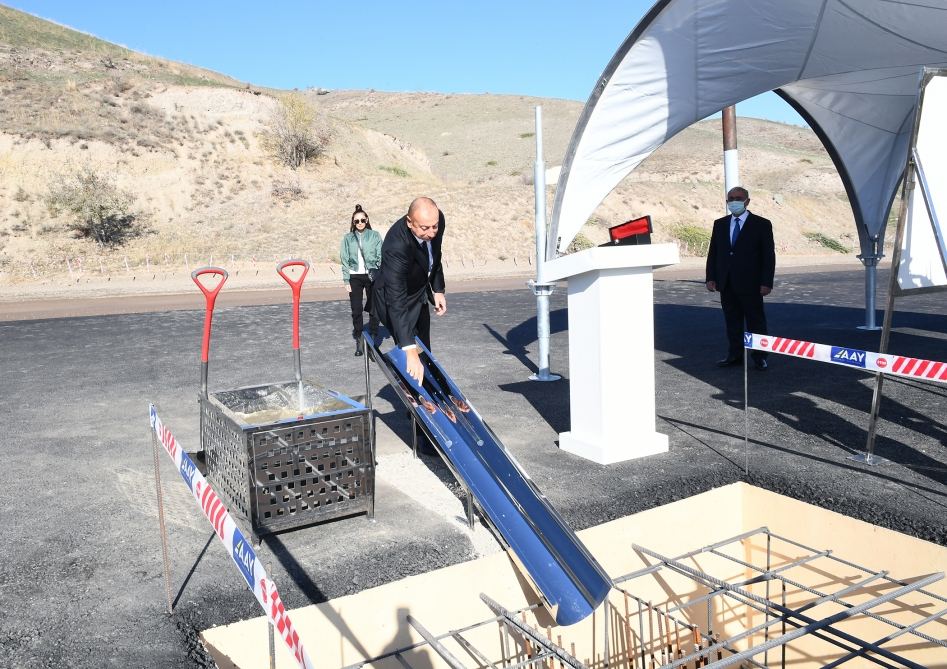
361, 220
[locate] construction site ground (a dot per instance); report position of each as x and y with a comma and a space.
81, 579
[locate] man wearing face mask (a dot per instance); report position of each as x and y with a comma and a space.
741, 263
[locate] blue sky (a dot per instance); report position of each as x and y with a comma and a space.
551, 49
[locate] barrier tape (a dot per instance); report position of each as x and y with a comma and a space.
236, 544
894, 365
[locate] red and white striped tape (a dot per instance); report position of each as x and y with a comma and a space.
894, 365
241, 552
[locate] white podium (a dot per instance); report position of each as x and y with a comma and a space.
611, 350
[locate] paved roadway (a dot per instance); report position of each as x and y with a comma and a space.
80, 579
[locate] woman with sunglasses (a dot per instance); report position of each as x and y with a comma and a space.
361, 258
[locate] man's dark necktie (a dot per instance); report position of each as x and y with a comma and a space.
736, 232
427, 254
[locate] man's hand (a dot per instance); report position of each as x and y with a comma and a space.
440, 304
348, 287
712, 286
415, 368
765, 290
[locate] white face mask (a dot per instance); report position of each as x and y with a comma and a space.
736, 207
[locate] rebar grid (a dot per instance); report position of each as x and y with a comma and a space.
780, 613
638, 634
521, 645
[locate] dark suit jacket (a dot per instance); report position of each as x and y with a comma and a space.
402, 285
750, 264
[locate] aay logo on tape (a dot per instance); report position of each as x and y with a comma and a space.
187, 472
244, 556
848, 356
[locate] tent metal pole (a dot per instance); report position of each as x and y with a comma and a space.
870, 261
541, 289
869, 457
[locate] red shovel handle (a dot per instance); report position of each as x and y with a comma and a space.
210, 296
297, 289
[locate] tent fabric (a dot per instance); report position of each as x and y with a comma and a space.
850, 67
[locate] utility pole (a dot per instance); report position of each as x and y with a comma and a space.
731, 157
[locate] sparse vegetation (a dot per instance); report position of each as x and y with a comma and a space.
527, 135
827, 242
580, 243
297, 133
100, 210
288, 191
694, 239
492, 163
397, 171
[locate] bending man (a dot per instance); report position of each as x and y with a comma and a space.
411, 280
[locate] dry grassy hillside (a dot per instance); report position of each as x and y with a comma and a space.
190, 146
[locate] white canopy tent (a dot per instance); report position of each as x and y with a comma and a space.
851, 68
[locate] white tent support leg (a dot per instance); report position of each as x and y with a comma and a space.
541, 290
870, 261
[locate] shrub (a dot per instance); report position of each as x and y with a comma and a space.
287, 190
827, 242
397, 171
696, 240
296, 133
580, 243
100, 210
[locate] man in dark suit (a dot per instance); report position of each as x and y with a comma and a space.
411, 279
741, 263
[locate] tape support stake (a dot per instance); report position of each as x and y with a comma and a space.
241, 552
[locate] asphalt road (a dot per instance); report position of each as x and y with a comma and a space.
81, 580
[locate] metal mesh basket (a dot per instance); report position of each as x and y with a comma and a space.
280, 465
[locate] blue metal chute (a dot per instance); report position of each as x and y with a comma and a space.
569, 580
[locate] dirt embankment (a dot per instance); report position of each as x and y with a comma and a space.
192, 148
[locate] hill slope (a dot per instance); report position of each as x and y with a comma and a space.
190, 145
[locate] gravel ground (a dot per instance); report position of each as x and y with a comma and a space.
81, 583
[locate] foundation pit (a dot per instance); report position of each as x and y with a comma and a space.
697, 583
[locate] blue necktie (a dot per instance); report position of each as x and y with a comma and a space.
736, 232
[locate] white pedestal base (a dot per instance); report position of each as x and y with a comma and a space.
611, 351
606, 451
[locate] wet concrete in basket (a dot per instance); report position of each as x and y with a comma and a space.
81, 581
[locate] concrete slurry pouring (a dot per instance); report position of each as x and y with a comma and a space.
81, 575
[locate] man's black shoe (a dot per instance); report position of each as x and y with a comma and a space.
729, 361
359, 347
761, 365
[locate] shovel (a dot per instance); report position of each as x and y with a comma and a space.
210, 296
296, 286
